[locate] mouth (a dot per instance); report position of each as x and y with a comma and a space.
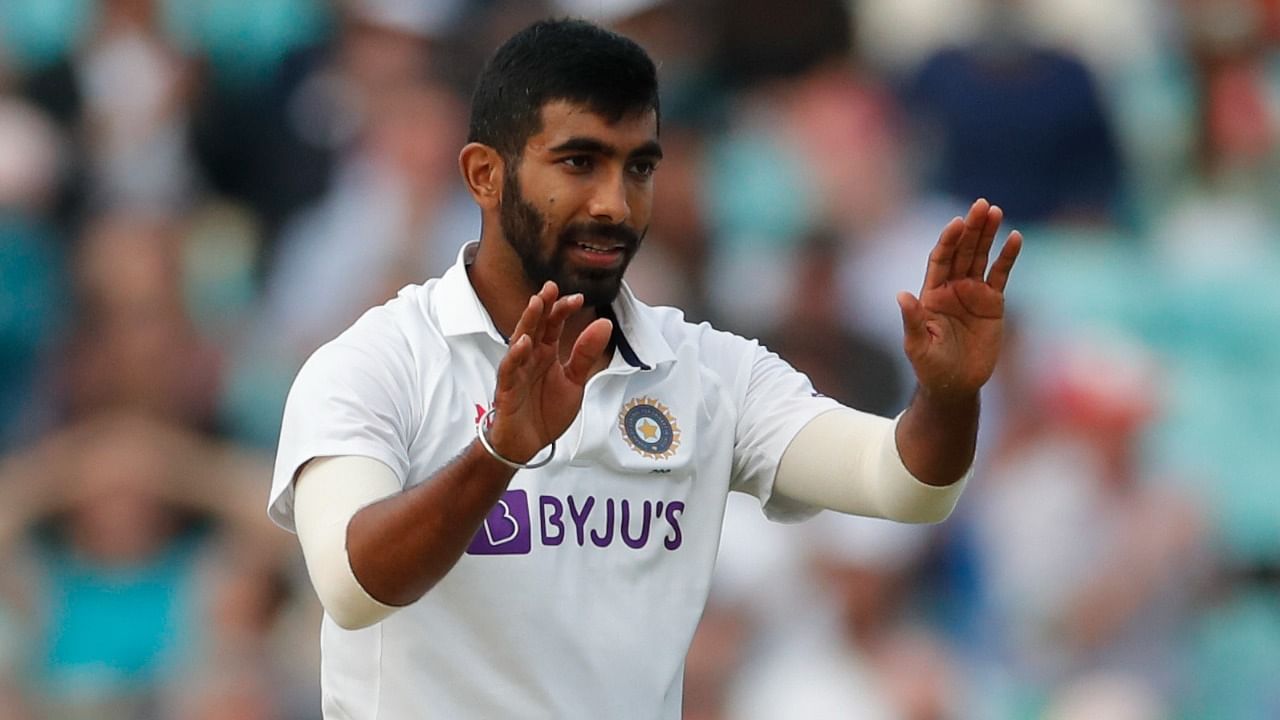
599, 252
602, 247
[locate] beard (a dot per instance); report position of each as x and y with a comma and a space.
524, 227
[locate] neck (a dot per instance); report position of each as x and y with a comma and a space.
498, 278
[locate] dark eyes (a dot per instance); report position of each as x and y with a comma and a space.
642, 169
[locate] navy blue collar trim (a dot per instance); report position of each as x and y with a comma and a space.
617, 341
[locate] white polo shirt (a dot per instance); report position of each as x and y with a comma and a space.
580, 593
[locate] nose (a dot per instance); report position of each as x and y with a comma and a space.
609, 201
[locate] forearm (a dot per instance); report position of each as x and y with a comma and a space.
848, 461
372, 547
937, 437
402, 545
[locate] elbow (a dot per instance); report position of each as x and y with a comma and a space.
353, 608
349, 620
344, 598
921, 513
352, 621
329, 493
905, 499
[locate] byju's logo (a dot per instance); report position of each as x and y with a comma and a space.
506, 529
583, 521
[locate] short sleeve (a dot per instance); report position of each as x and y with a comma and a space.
346, 400
775, 402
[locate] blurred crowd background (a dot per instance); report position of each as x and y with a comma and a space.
195, 194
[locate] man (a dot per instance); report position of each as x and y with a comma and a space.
508, 483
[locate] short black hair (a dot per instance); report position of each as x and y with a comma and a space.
551, 60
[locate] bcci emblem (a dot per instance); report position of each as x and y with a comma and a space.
649, 428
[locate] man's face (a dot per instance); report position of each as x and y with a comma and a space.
577, 204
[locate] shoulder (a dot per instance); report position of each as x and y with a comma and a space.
405, 322
396, 337
714, 349
708, 336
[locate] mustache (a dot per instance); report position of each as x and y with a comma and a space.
620, 233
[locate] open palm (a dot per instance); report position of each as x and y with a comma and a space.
538, 395
953, 329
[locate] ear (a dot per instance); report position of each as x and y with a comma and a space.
482, 170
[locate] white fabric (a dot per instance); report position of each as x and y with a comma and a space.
580, 593
848, 461
327, 494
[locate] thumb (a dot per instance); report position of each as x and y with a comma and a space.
914, 334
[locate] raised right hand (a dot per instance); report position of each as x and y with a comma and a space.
538, 395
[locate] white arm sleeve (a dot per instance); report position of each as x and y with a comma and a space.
848, 461
327, 494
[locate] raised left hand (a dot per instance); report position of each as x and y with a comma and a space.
953, 330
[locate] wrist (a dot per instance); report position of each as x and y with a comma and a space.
504, 440
945, 397
507, 449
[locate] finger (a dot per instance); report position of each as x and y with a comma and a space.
587, 350
1004, 264
528, 321
914, 334
560, 311
510, 369
943, 253
547, 295
974, 225
979, 267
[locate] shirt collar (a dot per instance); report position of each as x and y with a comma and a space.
636, 336
462, 313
